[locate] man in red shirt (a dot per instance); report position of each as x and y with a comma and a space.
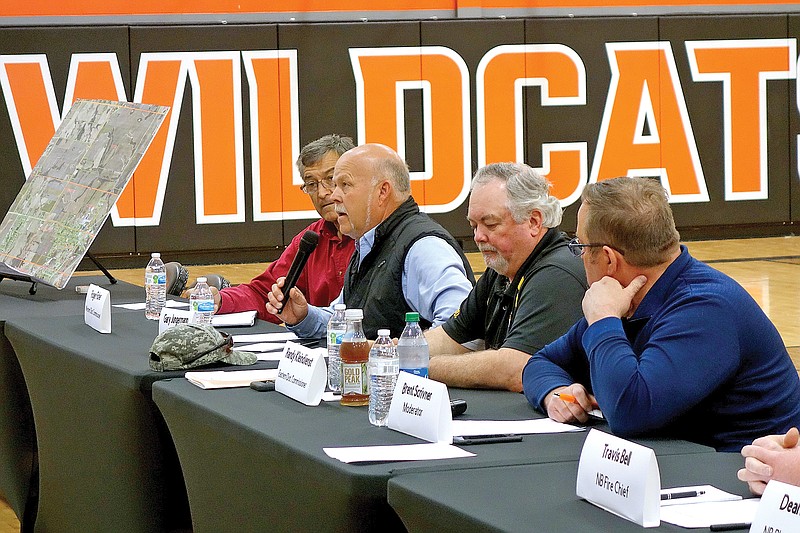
323, 276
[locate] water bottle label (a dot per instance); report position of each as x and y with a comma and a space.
421, 372
205, 306
335, 337
161, 278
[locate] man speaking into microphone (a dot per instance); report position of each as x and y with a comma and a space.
404, 261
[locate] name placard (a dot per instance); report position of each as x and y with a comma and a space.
779, 509
97, 309
621, 477
421, 407
302, 374
172, 317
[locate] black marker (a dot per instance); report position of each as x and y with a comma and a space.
486, 439
686, 494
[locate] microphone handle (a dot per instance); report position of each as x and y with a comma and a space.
293, 275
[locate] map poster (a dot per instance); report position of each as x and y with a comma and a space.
73, 187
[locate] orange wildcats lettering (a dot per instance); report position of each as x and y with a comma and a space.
160, 81
218, 145
274, 134
744, 67
646, 129
502, 74
382, 75
31, 102
216, 90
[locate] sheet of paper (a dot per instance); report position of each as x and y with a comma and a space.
281, 336
707, 513
245, 318
466, 428
139, 306
711, 494
403, 452
269, 356
230, 378
260, 346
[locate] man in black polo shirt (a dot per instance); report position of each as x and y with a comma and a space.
530, 294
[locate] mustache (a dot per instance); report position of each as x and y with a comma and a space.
340, 210
483, 247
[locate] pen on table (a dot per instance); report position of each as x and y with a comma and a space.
684, 494
569, 398
729, 527
486, 439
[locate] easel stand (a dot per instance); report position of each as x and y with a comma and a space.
102, 269
34, 283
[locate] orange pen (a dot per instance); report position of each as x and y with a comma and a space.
570, 398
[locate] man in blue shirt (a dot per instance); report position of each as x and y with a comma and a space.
668, 346
404, 261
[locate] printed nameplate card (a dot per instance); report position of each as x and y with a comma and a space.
172, 317
97, 310
779, 509
621, 477
302, 374
421, 407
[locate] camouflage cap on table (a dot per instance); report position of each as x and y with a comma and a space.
191, 345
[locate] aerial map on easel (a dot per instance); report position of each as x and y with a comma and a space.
73, 187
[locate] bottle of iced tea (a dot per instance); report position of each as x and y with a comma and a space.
354, 353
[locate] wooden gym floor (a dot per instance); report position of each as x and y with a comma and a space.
769, 268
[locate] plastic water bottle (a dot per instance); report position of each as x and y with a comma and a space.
155, 287
412, 348
201, 301
336, 329
382, 369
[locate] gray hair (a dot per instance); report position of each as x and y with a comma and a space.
396, 170
527, 191
314, 151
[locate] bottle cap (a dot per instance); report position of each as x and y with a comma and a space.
354, 314
339, 307
155, 254
384, 332
412, 317
201, 280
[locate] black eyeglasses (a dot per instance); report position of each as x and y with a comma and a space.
312, 186
577, 247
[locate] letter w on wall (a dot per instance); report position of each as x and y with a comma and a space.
215, 79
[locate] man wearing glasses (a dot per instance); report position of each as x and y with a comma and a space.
323, 275
530, 293
668, 346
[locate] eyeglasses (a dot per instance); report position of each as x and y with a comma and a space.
312, 186
578, 248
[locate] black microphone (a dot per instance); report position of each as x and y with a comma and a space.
307, 244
